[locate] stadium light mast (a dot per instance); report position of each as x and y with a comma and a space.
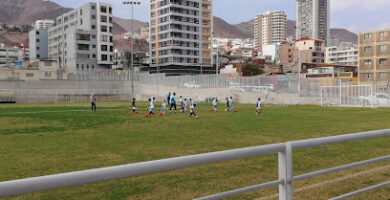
132, 4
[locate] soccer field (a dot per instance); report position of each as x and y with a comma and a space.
42, 139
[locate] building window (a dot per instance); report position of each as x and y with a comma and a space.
368, 62
29, 75
103, 9
93, 7
81, 12
37, 32
38, 48
37, 40
104, 57
383, 75
93, 16
93, 55
367, 75
382, 61
367, 49
367, 36
94, 46
81, 21
104, 38
103, 28
93, 26
383, 47
104, 47
103, 18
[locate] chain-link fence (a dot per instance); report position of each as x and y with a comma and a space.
32, 86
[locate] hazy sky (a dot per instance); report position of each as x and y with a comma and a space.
354, 15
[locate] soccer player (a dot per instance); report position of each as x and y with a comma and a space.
181, 104
151, 106
173, 103
215, 104
133, 104
93, 104
258, 105
169, 99
231, 104
227, 105
163, 106
192, 109
185, 105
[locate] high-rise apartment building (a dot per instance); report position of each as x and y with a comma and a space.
270, 28
83, 38
374, 57
39, 40
180, 35
313, 20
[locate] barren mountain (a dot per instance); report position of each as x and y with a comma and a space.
126, 24
24, 12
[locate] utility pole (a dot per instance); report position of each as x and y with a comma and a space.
132, 3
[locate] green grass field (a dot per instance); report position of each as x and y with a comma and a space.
36, 143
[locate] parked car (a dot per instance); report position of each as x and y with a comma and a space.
192, 85
237, 89
379, 99
264, 88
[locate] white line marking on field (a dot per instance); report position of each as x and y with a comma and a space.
62, 111
329, 182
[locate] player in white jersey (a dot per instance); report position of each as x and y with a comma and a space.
258, 106
163, 107
215, 104
151, 106
192, 109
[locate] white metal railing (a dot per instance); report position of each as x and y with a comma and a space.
285, 160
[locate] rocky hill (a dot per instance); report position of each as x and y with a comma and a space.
22, 12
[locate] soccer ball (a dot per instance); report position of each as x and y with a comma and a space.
235, 110
161, 114
211, 110
147, 116
136, 112
159, 109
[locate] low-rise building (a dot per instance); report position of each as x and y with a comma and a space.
11, 56
374, 57
305, 50
342, 55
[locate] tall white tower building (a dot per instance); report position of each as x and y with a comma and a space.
313, 19
270, 28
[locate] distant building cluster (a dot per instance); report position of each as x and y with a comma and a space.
180, 37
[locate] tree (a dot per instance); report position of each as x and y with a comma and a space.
251, 70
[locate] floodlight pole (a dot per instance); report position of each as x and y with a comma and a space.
132, 3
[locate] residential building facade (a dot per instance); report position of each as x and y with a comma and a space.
10, 56
305, 50
270, 28
180, 35
313, 19
39, 40
342, 55
374, 57
83, 38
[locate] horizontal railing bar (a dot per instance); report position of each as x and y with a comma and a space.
241, 190
303, 144
361, 191
24, 186
335, 169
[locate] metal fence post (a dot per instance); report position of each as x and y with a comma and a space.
286, 173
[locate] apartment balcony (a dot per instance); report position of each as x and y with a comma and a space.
206, 49
206, 26
206, 34
206, 2
206, 41
206, 57
206, 10
206, 18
